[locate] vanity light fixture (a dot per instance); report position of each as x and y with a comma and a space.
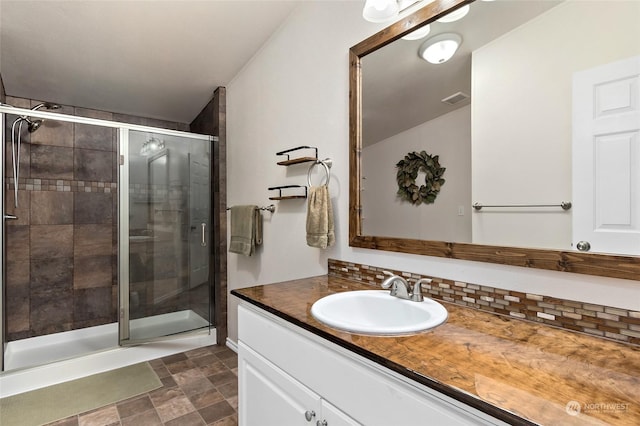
418, 34
380, 10
455, 15
440, 48
385, 10
152, 145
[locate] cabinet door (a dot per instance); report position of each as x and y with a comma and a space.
269, 397
335, 417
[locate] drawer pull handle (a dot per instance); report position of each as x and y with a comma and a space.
309, 415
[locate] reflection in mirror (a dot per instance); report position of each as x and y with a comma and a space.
538, 79
509, 116
158, 164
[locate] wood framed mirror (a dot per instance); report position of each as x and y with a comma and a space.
624, 264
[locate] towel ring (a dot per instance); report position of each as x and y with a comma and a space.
326, 163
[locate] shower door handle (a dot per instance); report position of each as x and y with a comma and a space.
204, 234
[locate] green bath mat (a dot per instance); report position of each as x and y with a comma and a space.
56, 402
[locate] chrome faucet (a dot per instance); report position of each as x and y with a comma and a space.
399, 286
402, 289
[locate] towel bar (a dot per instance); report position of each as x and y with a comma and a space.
270, 207
565, 205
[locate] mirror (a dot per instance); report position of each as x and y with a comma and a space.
158, 165
516, 73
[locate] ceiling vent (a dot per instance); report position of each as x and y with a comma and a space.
456, 98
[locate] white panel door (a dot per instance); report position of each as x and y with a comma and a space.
269, 397
606, 157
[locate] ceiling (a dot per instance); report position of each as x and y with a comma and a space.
156, 59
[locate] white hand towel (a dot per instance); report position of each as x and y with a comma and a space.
320, 227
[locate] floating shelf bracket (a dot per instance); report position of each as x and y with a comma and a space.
281, 196
289, 161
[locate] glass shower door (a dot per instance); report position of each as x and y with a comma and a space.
165, 232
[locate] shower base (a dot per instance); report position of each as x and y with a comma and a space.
46, 360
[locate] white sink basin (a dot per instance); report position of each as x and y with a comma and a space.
376, 312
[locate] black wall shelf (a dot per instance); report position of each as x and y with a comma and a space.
282, 195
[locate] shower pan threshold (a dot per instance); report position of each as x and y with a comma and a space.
79, 353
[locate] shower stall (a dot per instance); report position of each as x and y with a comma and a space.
107, 235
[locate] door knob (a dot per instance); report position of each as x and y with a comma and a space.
583, 246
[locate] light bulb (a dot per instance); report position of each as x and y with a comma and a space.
440, 48
418, 34
380, 10
455, 15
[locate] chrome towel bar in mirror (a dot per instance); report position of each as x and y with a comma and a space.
565, 205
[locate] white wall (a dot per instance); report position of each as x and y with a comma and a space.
295, 92
385, 214
517, 160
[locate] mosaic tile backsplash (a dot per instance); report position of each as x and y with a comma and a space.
597, 320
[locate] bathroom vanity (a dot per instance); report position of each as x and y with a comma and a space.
476, 369
288, 377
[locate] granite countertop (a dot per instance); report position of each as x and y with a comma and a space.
518, 371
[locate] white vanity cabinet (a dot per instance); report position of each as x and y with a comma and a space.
271, 397
289, 376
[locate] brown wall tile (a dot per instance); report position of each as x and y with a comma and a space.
90, 164
22, 212
51, 312
25, 151
51, 208
93, 207
92, 303
51, 275
93, 137
49, 241
51, 162
18, 314
55, 133
92, 271
18, 277
17, 238
92, 240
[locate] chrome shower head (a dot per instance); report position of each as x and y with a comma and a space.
46, 105
34, 125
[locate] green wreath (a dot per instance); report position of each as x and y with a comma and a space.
408, 169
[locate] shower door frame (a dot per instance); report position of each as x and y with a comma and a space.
121, 127
124, 338
3, 342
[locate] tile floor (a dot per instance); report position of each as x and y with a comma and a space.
200, 387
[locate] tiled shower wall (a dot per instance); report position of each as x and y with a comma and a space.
61, 251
